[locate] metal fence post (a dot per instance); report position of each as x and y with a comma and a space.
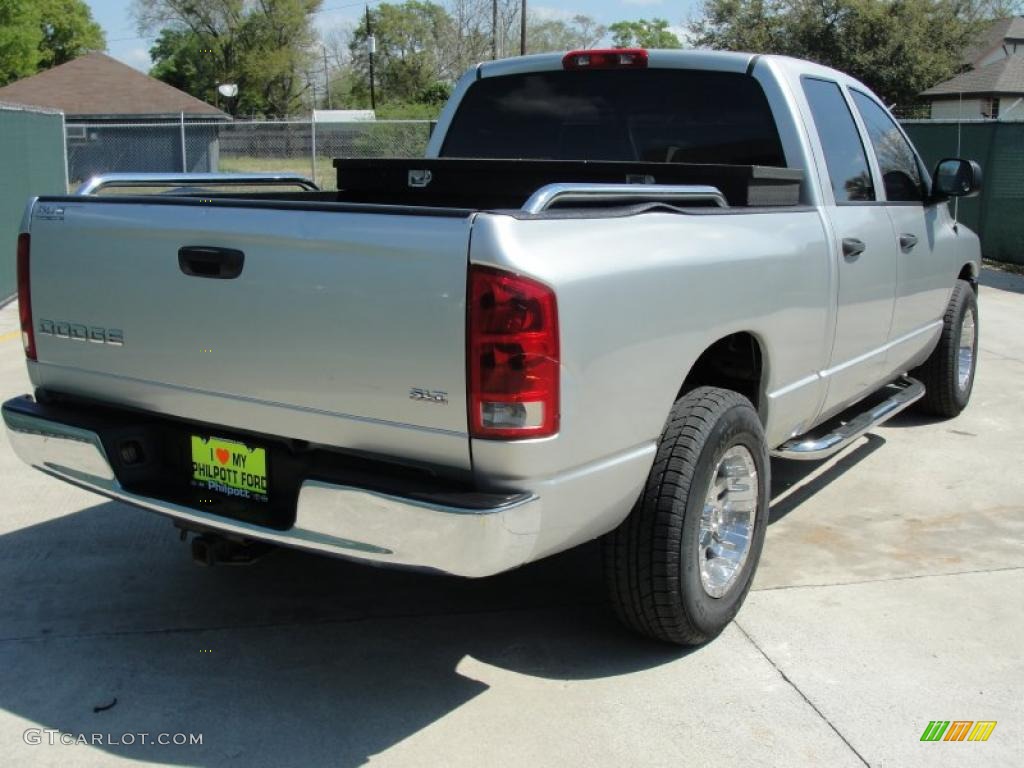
312, 130
184, 164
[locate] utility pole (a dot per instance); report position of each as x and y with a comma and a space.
522, 30
494, 30
371, 48
327, 78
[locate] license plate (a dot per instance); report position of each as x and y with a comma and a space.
229, 467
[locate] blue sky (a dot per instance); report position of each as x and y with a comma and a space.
123, 42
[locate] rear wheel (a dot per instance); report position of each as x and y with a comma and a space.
948, 375
680, 566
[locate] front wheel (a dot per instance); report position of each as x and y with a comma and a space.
680, 566
948, 375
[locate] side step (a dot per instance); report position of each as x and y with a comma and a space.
905, 392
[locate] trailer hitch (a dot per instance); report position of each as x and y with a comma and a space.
209, 549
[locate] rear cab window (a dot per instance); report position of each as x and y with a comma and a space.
845, 156
649, 115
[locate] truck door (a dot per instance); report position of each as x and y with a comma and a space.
922, 274
864, 250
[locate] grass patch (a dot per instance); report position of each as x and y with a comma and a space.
1004, 266
325, 176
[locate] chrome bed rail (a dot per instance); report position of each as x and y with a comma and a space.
96, 183
552, 194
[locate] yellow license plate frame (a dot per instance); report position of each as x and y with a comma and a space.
229, 467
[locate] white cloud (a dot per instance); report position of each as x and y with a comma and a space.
547, 13
643, 2
137, 57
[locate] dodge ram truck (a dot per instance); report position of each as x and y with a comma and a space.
617, 284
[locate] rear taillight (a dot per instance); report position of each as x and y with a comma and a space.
606, 58
513, 356
28, 338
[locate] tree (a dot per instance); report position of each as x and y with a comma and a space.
68, 31
643, 34
412, 41
423, 47
20, 36
278, 51
897, 47
264, 46
544, 35
39, 34
187, 61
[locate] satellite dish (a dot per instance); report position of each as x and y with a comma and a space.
228, 90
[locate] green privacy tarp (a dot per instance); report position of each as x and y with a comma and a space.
31, 163
997, 215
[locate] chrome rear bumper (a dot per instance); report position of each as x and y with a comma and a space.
338, 520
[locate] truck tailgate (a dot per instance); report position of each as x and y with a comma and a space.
335, 317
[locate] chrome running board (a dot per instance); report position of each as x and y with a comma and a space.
810, 447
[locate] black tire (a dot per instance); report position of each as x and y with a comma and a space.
939, 373
651, 561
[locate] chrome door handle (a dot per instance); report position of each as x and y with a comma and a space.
907, 242
853, 247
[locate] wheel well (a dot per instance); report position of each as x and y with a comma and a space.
968, 274
733, 362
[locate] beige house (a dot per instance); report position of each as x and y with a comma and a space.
993, 87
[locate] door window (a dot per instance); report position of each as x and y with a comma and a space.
901, 175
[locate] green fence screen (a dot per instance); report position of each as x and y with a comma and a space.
997, 215
32, 159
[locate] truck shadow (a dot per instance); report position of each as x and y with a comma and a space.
795, 482
297, 658
1004, 280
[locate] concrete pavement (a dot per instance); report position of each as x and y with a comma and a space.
889, 595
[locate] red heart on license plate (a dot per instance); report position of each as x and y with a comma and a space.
222, 455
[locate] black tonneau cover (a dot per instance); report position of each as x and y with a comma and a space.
494, 184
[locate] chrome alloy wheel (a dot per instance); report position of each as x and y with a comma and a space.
965, 354
727, 521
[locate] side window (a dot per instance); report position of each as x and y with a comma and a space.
844, 154
900, 173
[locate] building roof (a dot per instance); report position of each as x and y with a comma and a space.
997, 33
1005, 76
96, 85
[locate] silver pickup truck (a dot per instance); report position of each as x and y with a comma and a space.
618, 283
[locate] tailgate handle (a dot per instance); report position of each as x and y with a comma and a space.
209, 261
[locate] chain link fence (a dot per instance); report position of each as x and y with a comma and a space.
284, 146
307, 148
919, 111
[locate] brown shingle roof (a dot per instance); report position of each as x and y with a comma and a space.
993, 37
1005, 76
95, 84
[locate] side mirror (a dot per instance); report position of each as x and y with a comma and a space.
954, 177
